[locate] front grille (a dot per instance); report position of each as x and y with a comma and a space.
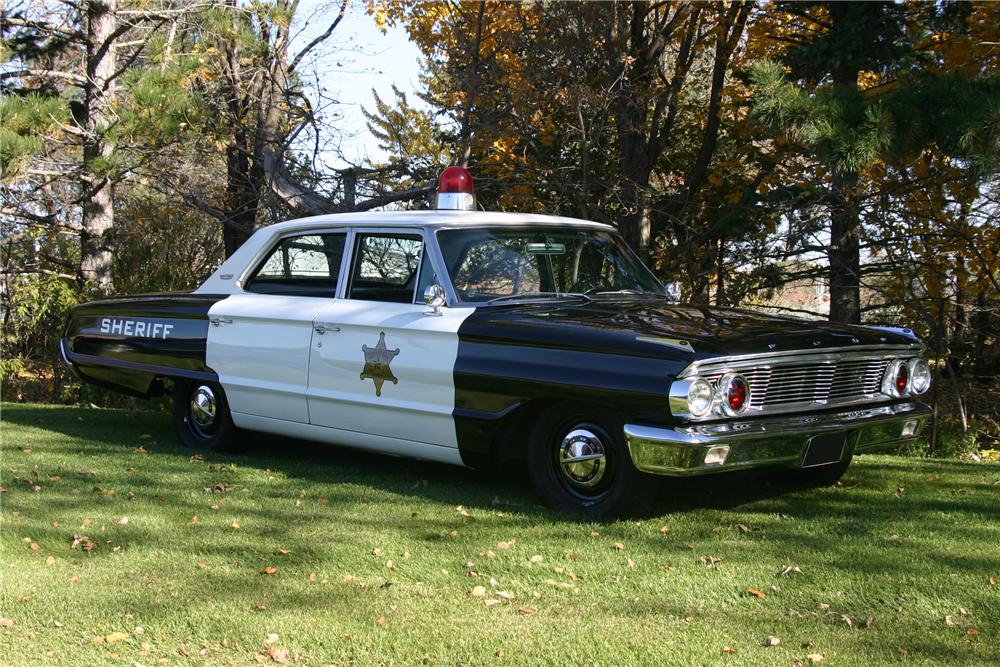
822, 382
801, 381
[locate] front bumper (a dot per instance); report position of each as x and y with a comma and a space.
766, 443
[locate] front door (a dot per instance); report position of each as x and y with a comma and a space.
259, 340
381, 363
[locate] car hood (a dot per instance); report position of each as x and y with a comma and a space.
709, 331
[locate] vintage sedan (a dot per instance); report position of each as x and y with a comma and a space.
478, 338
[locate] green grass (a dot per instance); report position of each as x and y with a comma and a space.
904, 542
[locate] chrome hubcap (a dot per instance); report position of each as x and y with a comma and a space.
582, 458
203, 406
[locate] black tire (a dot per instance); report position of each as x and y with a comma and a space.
596, 488
193, 426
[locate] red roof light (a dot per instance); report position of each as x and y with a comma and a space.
456, 179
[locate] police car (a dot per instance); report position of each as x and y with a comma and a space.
478, 338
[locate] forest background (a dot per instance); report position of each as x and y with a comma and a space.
838, 160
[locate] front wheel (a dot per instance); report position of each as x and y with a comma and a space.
581, 464
201, 416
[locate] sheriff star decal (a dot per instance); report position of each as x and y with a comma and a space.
377, 360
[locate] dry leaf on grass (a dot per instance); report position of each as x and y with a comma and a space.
815, 658
82, 541
760, 595
277, 654
536, 559
6, 623
269, 570
710, 560
790, 569
50, 561
772, 641
122, 521
618, 546
527, 611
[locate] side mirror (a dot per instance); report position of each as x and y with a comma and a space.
673, 291
435, 297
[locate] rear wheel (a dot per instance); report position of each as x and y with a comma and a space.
201, 416
581, 464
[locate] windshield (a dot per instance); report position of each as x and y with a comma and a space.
493, 263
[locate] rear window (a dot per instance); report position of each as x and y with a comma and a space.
306, 265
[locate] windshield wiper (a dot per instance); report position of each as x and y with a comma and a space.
595, 291
539, 295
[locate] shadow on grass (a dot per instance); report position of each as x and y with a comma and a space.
107, 432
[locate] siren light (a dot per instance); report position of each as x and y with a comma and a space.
455, 190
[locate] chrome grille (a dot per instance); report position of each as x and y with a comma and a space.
799, 381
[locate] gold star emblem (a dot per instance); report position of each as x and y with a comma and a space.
377, 360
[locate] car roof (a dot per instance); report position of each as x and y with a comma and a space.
435, 218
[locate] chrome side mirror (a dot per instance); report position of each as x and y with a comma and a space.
673, 291
435, 297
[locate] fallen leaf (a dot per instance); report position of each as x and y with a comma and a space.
618, 546
50, 561
138, 630
848, 620
479, 592
34, 546
82, 541
536, 559
491, 601
194, 521
269, 570
277, 654
260, 606
56, 624
506, 595
949, 621
772, 641
760, 595
283, 552
116, 637
664, 529
87, 522
790, 569
271, 638
381, 620
505, 545
462, 512
710, 560
376, 552
201, 566
122, 521
390, 565
972, 632
6, 623
728, 650
527, 611
992, 581
742, 528
234, 525
815, 658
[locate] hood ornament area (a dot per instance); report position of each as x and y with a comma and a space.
377, 360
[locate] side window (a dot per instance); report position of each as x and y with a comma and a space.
385, 267
301, 266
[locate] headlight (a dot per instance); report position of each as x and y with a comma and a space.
699, 398
896, 380
920, 376
735, 392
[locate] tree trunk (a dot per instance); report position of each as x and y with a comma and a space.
98, 215
845, 251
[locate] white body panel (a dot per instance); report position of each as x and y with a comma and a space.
262, 355
418, 406
333, 436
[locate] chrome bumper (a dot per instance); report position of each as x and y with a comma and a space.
763, 443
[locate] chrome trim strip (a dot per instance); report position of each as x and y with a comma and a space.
668, 342
791, 356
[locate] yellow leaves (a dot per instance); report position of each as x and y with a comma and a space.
50, 561
269, 570
759, 594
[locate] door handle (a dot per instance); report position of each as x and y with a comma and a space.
216, 321
323, 328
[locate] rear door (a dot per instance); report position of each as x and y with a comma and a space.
259, 340
384, 364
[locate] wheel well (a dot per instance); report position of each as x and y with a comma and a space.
511, 443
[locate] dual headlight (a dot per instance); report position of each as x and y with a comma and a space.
906, 378
731, 394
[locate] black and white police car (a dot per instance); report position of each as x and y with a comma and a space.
476, 338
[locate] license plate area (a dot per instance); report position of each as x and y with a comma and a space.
824, 449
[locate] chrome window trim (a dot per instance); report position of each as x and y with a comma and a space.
264, 254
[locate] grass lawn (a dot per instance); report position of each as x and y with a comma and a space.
324, 556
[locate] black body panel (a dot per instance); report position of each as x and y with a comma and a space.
125, 343
592, 353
